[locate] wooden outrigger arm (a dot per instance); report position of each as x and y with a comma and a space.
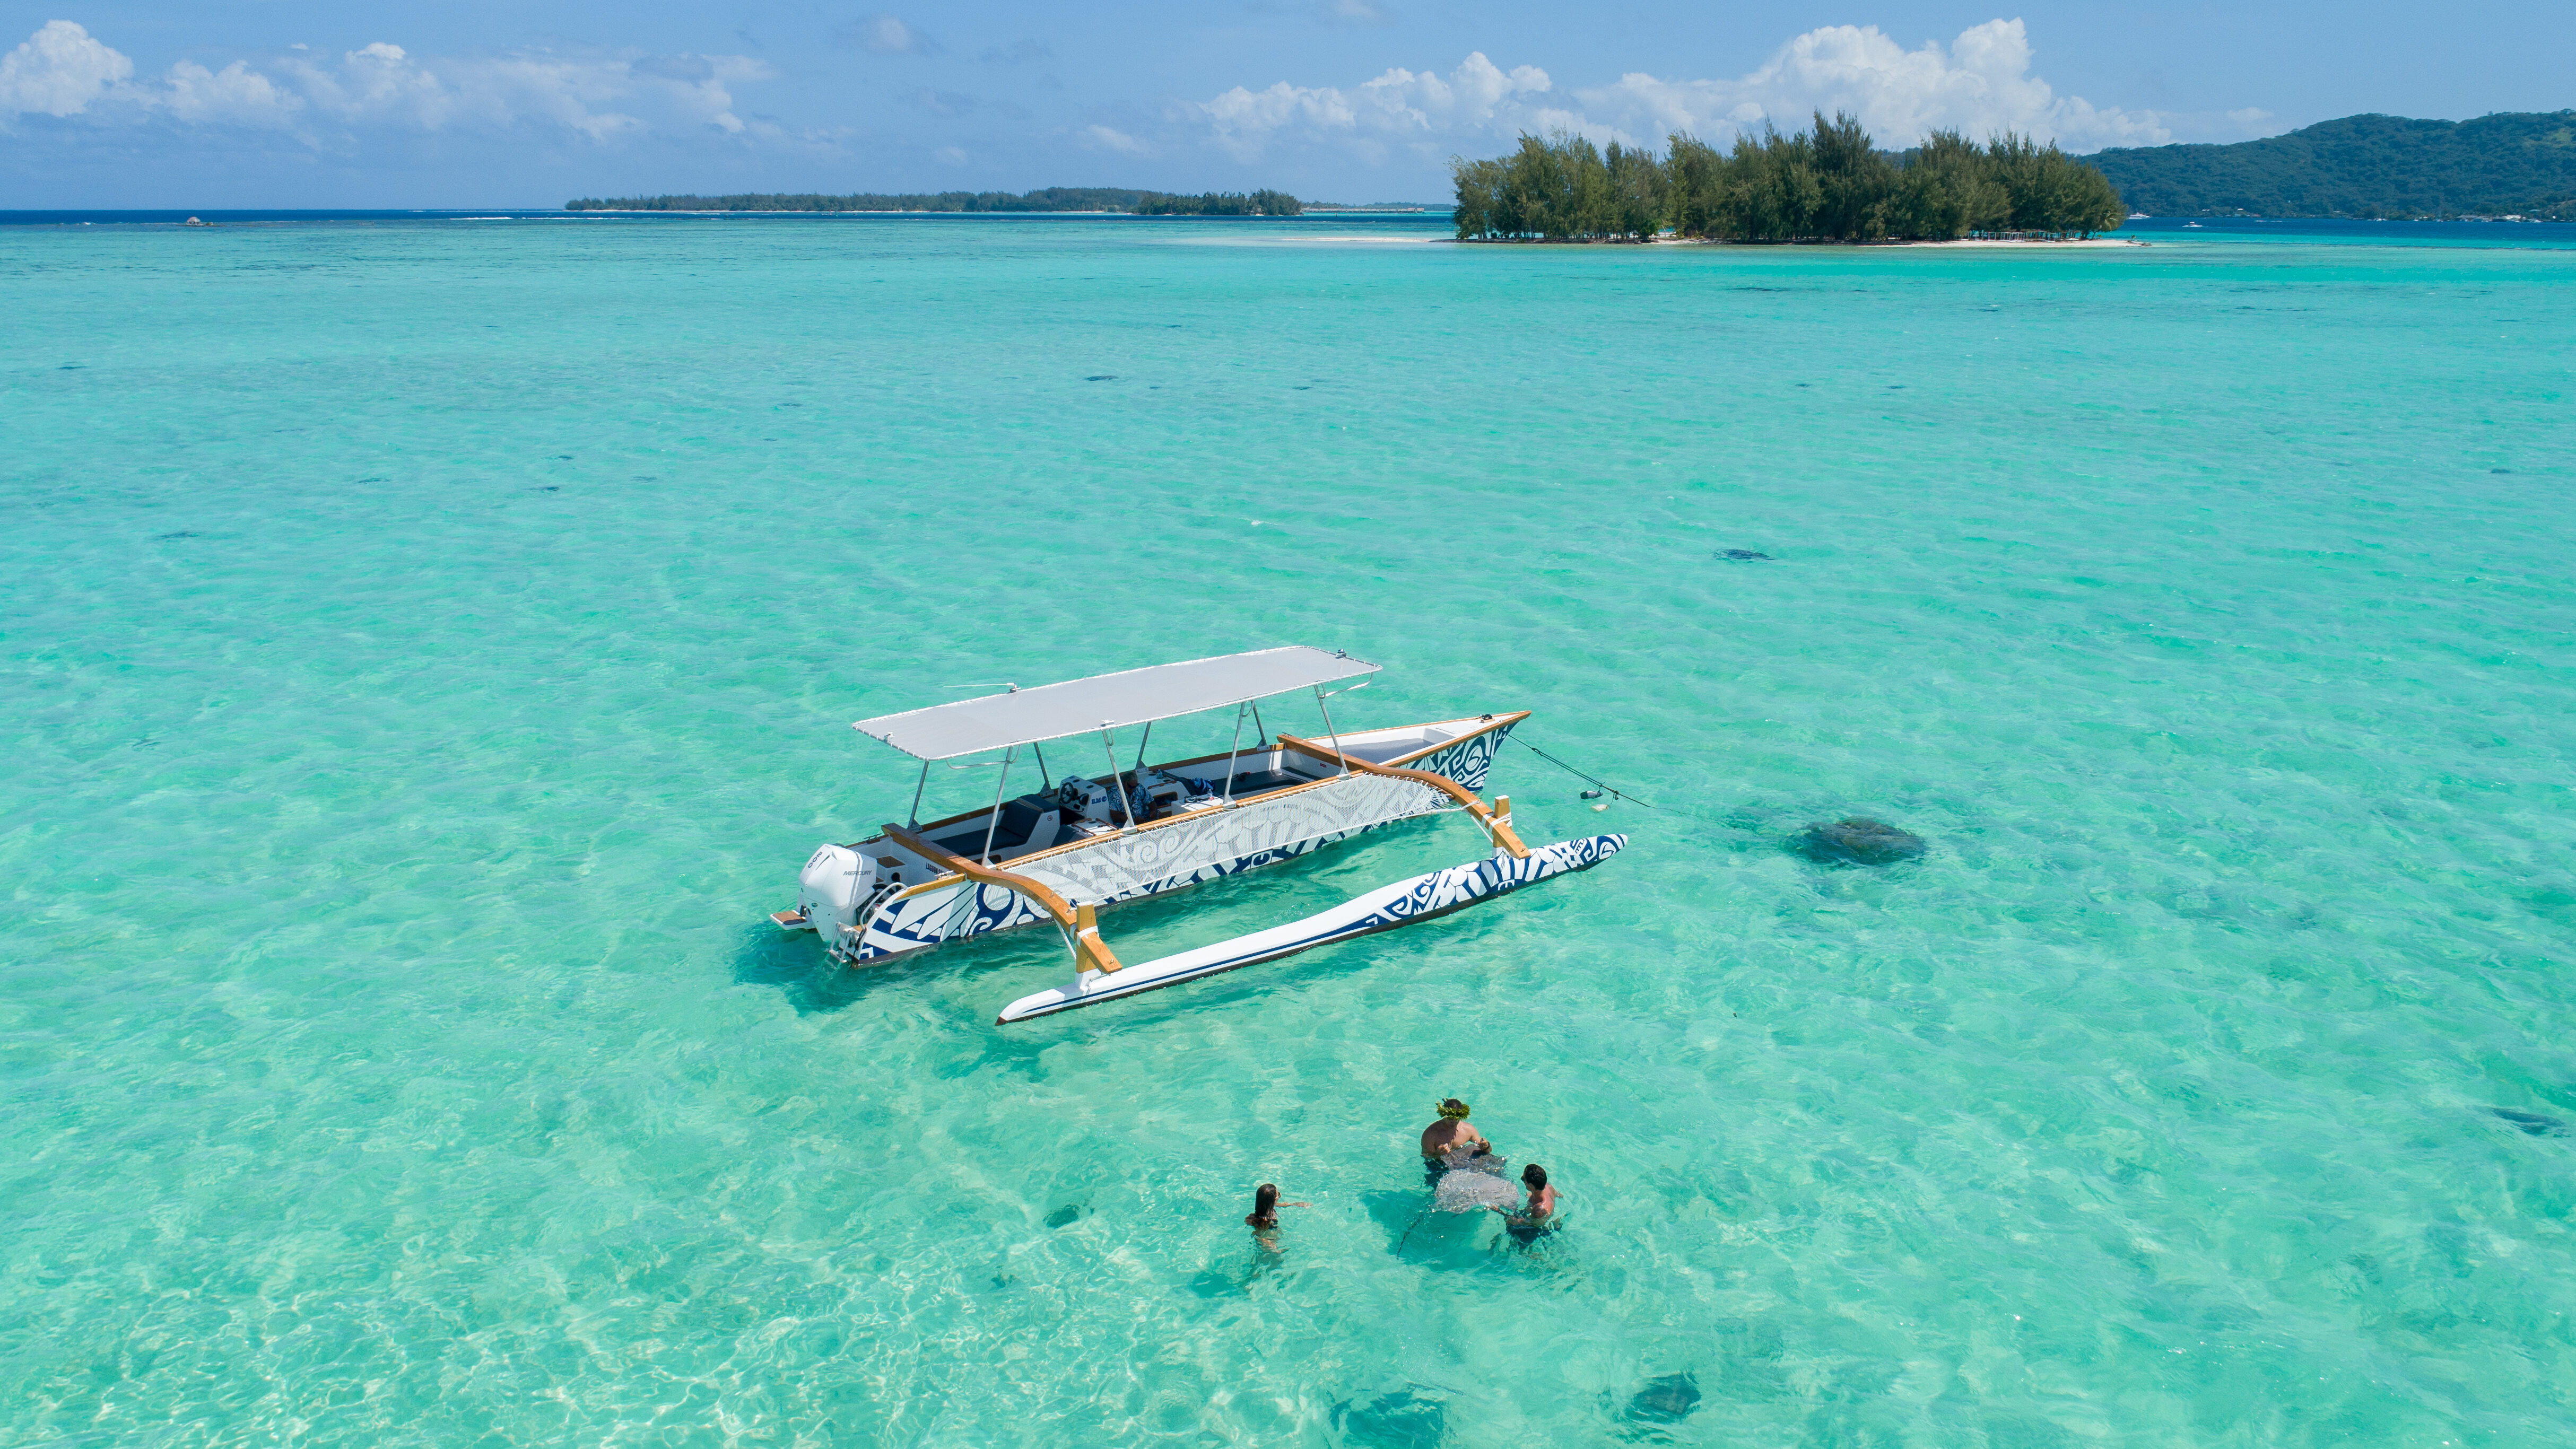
1483, 812
1080, 924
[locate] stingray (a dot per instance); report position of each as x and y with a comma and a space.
1747, 555
1857, 840
2538, 1124
1667, 1400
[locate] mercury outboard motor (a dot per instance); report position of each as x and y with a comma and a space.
832, 888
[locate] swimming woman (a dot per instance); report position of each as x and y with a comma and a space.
1449, 1135
1537, 1215
1264, 1217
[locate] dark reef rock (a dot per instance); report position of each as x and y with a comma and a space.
1399, 1420
1858, 840
1064, 1216
1667, 1400
1746, 555
2538, 1124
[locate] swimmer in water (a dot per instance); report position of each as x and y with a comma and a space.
1450, 1134
1264, 1217
1537, 1215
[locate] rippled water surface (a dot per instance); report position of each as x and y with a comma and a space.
429, 651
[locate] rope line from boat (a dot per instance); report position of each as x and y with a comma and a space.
1597, 783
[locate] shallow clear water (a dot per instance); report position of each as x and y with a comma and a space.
430, 649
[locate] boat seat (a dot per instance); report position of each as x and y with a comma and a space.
1023, 820
1253, 782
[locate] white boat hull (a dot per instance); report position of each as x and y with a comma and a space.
1384, 909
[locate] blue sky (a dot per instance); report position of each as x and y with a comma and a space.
291, 103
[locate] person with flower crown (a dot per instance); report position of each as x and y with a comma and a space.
1450, 1140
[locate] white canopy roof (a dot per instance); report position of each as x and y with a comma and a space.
1106, 701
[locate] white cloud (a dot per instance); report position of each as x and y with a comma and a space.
61, 71
885, 35
1110, 140
1980, 83
1400, 105
235, 95
58, 71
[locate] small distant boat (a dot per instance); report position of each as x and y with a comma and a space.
2140, 216
2191, 226
1081, 842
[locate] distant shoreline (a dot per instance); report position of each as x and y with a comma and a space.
1046, 199
935, 211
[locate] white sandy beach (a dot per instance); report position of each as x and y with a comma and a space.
2098, 241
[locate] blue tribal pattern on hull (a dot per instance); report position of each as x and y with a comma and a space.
1461, 885
1467, 760
973, 910
1166, 858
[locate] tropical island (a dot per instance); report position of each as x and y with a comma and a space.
1052, 198
2517, 164
1830, 183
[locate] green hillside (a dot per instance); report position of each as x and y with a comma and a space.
2513, 162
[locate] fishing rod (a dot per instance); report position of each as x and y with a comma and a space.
1601, 787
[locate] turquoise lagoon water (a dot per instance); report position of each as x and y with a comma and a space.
430, 650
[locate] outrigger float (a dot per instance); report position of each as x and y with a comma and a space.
1083, 842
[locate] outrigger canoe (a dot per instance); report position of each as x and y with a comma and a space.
1081, 842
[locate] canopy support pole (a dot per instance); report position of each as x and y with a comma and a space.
1328, 729
1045, 785
915, 816
1260, 731
1231, 751
1111, 746
1140, 756
995, 823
